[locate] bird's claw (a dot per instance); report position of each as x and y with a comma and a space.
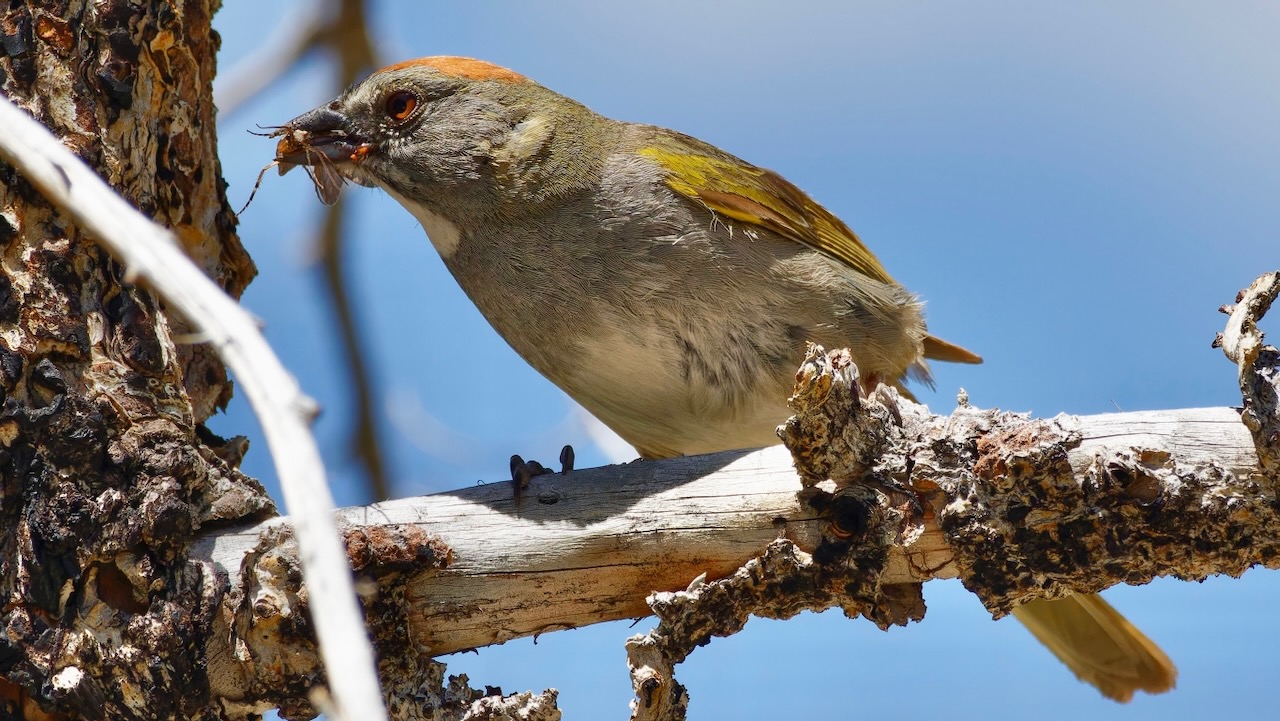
566, 460
523, 472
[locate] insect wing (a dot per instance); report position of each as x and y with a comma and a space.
328, 182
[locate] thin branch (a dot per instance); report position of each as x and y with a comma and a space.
292, 39
347, 36
152, 256
341, 28
336, 25
366, 441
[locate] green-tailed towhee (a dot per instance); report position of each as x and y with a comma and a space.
666, 285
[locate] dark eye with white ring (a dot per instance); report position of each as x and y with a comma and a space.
400, 105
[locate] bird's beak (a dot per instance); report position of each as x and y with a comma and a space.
323, 142
316, 137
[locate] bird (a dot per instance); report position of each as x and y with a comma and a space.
667, 286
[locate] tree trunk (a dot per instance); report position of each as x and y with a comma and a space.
107, 470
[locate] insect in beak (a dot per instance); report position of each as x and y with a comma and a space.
318, 152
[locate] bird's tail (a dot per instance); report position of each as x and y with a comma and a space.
1099, 645
939, 349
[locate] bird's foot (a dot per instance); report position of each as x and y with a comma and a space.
522, 471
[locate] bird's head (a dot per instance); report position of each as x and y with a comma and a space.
450, 134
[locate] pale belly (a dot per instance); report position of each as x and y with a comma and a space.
641, 384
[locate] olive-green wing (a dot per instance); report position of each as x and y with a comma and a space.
744, 192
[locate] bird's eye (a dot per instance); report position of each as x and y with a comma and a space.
400, 105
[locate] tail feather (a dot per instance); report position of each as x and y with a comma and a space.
1099, 645
939, 349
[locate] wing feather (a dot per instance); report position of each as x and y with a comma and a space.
744, 192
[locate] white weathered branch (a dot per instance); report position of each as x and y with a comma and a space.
475, 567
153, 258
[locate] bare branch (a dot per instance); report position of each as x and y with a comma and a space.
474, 567
366, 441
335, 25
341, 28
288, 44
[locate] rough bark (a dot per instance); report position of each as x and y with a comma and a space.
1259, 367
107, 472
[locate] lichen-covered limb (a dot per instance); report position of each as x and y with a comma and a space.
1042, 508
1018, 508
874, 496
780, 583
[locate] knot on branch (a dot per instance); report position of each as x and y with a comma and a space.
385, 549
272, 645
858, 441
273, 654
1259, 367
838, 433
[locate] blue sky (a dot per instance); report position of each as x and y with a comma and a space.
1073, 188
